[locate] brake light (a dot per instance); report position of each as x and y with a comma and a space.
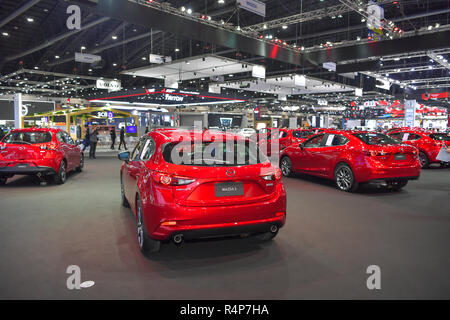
48, 147
273, 176
373, 153
170, 180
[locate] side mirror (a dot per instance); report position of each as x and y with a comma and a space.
124, 156
301, 146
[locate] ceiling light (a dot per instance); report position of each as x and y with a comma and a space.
30, 19
189, 11
83, 48
285, 27
114, 37
177, 50
56, 57
5, 34
183, 8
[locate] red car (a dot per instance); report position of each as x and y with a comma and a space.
429, 143
40, 152
285, 137
235, 193
352, 158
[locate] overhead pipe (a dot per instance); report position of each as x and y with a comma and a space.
56, 39
18, 12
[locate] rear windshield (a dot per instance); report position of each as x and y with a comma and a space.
440, 136
23, 137
302, 134
213, 154
375, 138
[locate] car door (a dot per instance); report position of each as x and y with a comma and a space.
307, 155
130, 171
73, 154
64, 148
332, 146
284, 139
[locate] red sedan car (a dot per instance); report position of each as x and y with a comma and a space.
184, 184
40, 152
285, 137
429, 143
352, 158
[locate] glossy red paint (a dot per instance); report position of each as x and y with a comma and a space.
321, 154
424, 140
180, 199
38, 151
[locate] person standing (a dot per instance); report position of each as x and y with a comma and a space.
146, 130
113, 137
93, 141
86, 141
122, 138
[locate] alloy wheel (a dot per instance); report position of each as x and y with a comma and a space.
62, 171
285, 167
344, 178
140, 227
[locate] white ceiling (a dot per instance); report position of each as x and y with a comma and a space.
204, 66
285, 85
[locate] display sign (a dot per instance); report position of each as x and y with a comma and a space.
111, 85
87, 58
358, 92
155, 58
410, 113
169, 97
299, 81
442, 95
254, 6
322, 102
259, 72
383, 84
375, 15
330, 66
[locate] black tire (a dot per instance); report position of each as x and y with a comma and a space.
81, 166
61, 176
286, 167
3, 181
423, 158
125, 202
345, 179
146, 244
398, 184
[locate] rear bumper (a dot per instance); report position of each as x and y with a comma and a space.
376, 171
215, 221
225, 230
384, 180
8, 171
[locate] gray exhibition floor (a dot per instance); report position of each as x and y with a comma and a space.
330, 239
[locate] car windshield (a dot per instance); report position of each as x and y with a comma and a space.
214, 154
440, 136
25, 137
375, 138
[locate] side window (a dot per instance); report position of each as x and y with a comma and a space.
413, 136
68, 139
283, 134
148, 150
137, 151
332, 140
397, 136
314, 142
59, 137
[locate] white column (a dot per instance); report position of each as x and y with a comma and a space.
18, 110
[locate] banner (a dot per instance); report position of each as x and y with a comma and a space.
254, 6
410, 113
86, 58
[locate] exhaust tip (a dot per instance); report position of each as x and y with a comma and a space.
178, 239
274, 228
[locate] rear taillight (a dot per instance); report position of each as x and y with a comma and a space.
373, 153
171, 180
48, 147
273, 176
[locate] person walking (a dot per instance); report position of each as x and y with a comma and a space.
93, 141
122, 138
113, 137
86, 141
146, 130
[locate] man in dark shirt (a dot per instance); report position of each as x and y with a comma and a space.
122, 138
113, 137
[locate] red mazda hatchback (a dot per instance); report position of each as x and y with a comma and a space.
40, 152
353, 157
184, 184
